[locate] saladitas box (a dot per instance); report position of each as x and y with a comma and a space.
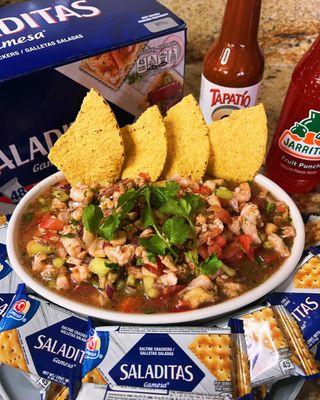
51, 53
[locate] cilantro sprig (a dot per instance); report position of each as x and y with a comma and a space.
208, 267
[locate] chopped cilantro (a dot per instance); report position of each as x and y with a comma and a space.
110, 225
112, 266
68, 235
139, 261
151, 257
160, 195
74, 222
211, 265
28, 217
177, 230
92, 217
154, 244
269, 207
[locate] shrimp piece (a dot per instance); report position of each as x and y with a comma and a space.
87, 238
38, 262
96, 248
288, 232
213, 200
235, 226
49, 272
64, 216
232, 289
234, 204
80, 273
81, 194
62, 283
250, 216
146, 233
120, 255
146, 272
77, 213
167, 261
202, 281
242, 193
278, 245
72, 246
119, 239
168, 279
58, 204
62, 252
197, 296
214, 229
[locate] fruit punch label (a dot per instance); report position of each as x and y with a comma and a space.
302, 140
217, 102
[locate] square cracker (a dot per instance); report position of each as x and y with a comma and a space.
308, 276
214, 351
11, 352
262, 326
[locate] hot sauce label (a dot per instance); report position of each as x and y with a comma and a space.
217, 102
302, 140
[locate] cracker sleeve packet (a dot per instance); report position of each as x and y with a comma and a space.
268, 350
43, 339
162, 360
240, 368
300, 295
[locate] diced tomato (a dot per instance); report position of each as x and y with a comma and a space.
145, 177
281, 207
233, 252
154, 269
203, 190
214, 248
268, 256
221, 241
50, 223
130, 304
259, 201
172, 289
222, 214
50, 237
245, 241
203, 251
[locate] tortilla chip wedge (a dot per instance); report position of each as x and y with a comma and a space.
145, 144
188, 140
238, 144
92, 150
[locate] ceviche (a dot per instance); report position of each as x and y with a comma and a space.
143, 247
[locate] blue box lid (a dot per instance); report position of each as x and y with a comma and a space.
43, 33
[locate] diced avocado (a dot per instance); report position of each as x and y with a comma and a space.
34, 248
131, 281
98, 266
61, 195
152, 292
57, 262
224, 193
148, 282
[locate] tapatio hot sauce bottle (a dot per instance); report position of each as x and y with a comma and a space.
294, 158
233, 65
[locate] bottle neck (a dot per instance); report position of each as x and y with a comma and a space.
241, 21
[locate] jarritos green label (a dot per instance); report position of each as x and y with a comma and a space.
302, 140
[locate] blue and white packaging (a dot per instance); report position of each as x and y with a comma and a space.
50, 340
51, 53
162, 361
300, 295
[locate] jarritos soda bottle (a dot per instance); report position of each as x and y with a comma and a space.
294, 158
233, 66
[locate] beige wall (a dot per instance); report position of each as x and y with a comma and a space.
287, 27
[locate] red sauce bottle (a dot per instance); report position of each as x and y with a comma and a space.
294, 158
233, 65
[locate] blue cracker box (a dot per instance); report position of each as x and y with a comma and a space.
52, 52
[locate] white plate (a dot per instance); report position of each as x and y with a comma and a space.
165, 318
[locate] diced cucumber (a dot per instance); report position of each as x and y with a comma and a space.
34, 248
148, 282
224, 193
61, 195
131, 281
98, 266
57, 262
51, 284
152, 292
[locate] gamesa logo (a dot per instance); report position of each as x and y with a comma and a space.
303, 138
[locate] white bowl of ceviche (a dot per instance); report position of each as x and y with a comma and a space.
45, 253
